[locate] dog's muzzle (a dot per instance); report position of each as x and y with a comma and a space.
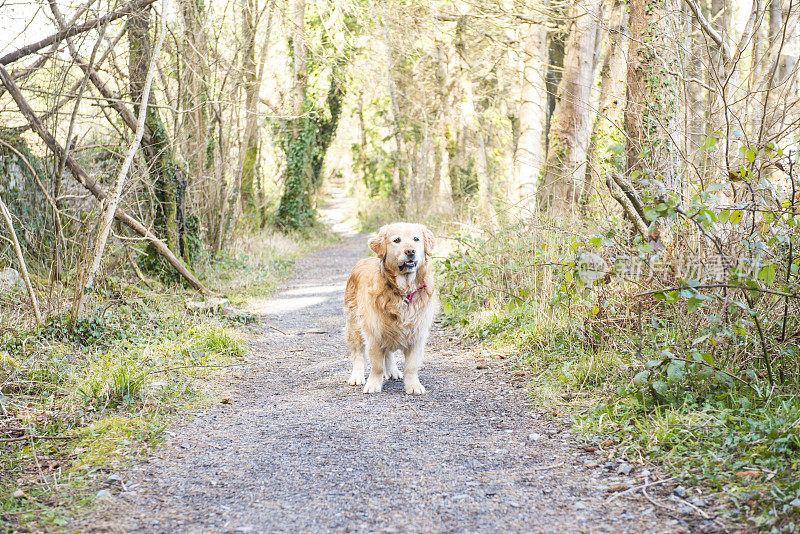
408, 265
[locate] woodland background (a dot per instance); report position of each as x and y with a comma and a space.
614, 181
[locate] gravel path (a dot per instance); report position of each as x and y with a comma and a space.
298, 450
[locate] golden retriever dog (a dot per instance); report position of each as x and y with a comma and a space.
389, 305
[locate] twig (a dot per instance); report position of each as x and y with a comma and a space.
697, 509
312, 332
193, 366
711, 286
543, 468
669, 509
12, 429
277, 329
31, 436
642, 486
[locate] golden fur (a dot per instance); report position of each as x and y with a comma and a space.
389, 306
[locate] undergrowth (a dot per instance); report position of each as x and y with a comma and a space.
699, 380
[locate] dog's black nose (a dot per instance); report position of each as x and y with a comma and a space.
410, 252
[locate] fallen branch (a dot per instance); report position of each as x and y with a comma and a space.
85, 180
74, 30
21, 260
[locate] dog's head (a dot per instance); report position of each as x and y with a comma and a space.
403, 247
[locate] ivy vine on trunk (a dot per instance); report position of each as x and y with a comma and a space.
305, 154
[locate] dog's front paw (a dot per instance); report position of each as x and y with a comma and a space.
374, 385
356, 379
413, 387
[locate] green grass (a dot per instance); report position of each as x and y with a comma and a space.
109, 401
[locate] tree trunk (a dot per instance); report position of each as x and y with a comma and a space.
399, 176
608, 125
295, 210
473, 122
530, 146
564, 172
195, 129
308, 135
169, 178
443, 189
650, 99
300, 62
249, 155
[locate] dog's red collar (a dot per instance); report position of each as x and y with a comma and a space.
409, 296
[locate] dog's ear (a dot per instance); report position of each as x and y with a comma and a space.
430, 241
378, 243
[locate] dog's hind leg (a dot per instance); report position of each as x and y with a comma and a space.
376, 358
390, 370
356, 344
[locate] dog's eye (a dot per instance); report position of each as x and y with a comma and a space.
396, 240
416, 239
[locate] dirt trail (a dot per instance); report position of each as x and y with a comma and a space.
298, 450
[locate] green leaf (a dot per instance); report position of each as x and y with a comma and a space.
750, 154
660, 387
693, 304
640, 380
736, 216
676, 370
767, 274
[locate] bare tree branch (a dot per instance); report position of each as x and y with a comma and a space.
709, 30
74, 30
84, 179
111, 208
